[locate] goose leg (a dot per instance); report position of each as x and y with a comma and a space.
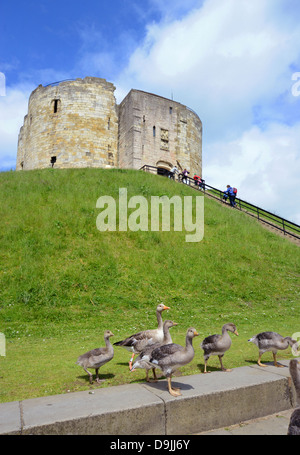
90, 375
173, 392
205, 364
154, 376
275, 361
97, 377
130, 361
222, 366
259, 362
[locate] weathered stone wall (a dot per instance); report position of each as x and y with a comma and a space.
154, 130
76, 122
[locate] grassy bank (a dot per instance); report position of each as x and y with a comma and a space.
63, 282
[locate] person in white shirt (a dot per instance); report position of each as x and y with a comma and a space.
172, 172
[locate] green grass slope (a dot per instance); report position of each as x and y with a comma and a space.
63, 282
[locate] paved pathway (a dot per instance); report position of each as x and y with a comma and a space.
275, 424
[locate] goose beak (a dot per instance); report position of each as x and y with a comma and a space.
236, 333
196, 334
166, 307
175, 323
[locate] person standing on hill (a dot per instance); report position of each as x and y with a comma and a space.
185, 175
229, 192
173, 172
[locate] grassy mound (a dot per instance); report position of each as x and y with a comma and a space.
63, 282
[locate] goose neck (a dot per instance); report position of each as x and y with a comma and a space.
159, 319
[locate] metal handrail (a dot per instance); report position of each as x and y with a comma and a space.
282, 224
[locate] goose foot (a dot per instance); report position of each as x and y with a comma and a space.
262, 364
175, 393
176, 389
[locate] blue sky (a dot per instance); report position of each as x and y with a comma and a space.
41, 35
235, 62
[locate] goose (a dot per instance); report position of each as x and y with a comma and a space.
169, 357
271, 341
137, 342
97, 357
294, 424
139, 363
218, 345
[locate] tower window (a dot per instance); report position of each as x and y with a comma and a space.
171, 110
55, 106
154, 131
110, 157
53, 160
108, 123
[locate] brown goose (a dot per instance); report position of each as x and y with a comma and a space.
172, 356
97, 357
294, 425
271, 341
218, 344
137, 342
139, 363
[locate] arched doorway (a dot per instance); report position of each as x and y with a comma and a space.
163, 167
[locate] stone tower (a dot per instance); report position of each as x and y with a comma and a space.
76, 124
158, 131
72, 124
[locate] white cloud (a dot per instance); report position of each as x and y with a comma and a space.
13, 108
263, 165
221, 59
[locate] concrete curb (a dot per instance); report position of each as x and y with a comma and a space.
208, 402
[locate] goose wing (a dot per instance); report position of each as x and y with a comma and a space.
212, 339
93, 356
265, 336
164, 351
137, 341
